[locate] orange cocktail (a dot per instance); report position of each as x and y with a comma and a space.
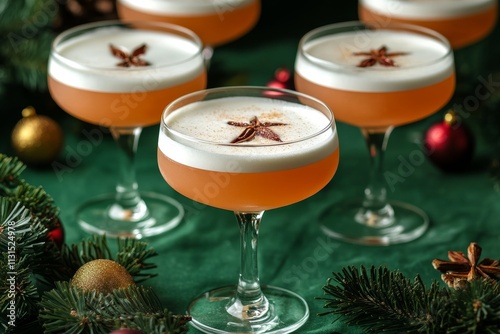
119, 109
120, 76
376, 77
384, 107
224, 189
248, 149
419, 83
86, 82
461, 22
230, 184
215, 22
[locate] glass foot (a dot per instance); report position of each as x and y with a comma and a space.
287, 312
342, 221
158, 214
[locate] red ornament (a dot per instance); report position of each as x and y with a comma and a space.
449, 144
57, 234
283, 79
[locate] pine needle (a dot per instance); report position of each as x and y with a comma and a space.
71, 310
379, 300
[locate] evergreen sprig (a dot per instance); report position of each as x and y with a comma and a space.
40, 204
26, 30
70, 310
380, 300
32, 266
132, 254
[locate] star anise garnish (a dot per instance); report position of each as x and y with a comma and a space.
130, 59
255, 128
378, 56
460, 269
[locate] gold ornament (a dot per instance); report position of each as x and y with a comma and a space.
36, 139
102, 276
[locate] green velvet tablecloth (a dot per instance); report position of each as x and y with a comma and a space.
203, 251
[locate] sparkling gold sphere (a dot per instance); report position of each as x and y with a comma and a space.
36, 139
102, 275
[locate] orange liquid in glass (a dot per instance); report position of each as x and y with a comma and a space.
372, 110
127, 109
460, 31
215, 28
248, 191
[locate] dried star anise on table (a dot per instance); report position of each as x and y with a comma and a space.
461, 269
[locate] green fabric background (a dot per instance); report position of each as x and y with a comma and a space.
203, 252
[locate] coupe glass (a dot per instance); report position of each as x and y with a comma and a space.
120, 76
217, 22
214, 147
376, 78
464, 23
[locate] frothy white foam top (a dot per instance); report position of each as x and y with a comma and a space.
86, 61
330, 61
185, 7
427, 9
207, 121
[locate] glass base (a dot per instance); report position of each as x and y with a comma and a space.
287, 312
342, 221
101, 215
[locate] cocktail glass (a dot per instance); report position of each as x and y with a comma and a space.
120, 76
376, 78
216, 22
464, 23
215, 146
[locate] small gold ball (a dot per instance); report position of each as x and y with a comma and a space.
36, 139
102, 275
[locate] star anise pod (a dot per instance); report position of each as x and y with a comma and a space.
255, 128
378, 56
130, 59
461, 269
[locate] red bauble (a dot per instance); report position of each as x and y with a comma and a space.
57, 234
283, 79
449, 144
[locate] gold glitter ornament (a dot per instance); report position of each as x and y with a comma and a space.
102, 275
36, 139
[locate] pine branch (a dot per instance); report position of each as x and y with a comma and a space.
28, 258
17, 287
27, 59
27, 237
16, 273
26, 15
71, 310
380, 300
35, 199
10, 171
132, 254
26, 32
479, 306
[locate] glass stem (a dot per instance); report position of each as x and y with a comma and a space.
376, 211
129, 206
249, 302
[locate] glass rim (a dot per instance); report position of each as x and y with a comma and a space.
443, 10
374, 25
54, 52
331, 117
